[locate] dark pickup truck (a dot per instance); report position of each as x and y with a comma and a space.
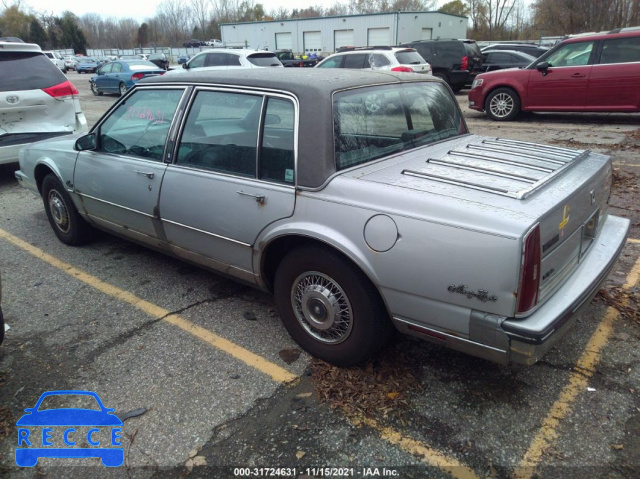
288, 59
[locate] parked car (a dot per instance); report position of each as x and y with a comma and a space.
449, 59
378, 58
528, 48
37, 101
87, 65
357, 220
183, 59
160, 60
214, 42
502, 59
70, 62
599, 72
56, 59
288, 59
193, 43
224, 59
121, 75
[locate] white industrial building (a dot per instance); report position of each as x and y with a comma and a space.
326, 34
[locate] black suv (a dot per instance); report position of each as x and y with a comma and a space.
456, 61
159, 59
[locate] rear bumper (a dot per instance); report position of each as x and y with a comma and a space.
10, 147
530, 338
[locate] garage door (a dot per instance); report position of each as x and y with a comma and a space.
342, 38
378, 36
427, 34
312, 42
283, 41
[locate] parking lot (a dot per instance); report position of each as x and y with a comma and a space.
216, 387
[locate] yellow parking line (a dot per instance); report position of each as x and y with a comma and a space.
427, 454
578, 382
276, 372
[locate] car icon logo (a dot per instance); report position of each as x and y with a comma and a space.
12, 99
69, 432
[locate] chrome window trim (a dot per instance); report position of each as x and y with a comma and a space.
266, 92
241, 243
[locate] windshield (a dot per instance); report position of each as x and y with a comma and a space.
373, 122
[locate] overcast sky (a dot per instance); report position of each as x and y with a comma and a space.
142, 9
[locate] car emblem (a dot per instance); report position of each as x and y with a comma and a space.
13, 99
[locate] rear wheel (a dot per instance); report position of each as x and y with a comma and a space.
329, 307
67, 224
443, 76
502, 104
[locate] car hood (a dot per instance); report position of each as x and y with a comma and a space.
510, 73
69, 417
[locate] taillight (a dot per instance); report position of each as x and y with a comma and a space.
465, 63
530, 276
137, 76
64, 91
402, 69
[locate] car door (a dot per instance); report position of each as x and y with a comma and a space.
113, 77
102, 78
615, 78
119, 181
563, 86
233, 175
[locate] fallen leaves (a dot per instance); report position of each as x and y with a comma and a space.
627, 302
377, 389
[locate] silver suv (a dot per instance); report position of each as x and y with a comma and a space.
378, 58
229, 58
36, 100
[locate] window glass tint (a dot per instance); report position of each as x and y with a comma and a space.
376, 60
221, 133
21, 71
333, 62
197, 61
277, 151
233, 60
355, 61
263, 59
500, 57
571, 54
216, 59
139, 126
451, 50
373, 122
621, 50
409, 58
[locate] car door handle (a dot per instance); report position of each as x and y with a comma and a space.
148, 174
258, 198
578, 75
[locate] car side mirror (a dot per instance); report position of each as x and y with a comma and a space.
86, 142
542, 68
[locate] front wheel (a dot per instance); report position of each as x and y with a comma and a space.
67, 224
94, 89
123, 89
329, 307
502, 104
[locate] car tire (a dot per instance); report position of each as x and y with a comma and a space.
122, 88
67, 224
315, 277
94, 89
502, 104
443, 76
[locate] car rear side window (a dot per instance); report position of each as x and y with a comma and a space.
221, 133
277, 149
621, 50
355, 61
373, 122
28, 71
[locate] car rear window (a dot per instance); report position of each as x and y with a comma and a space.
28, 71
373, 122
264, 59
410, 58
142, 66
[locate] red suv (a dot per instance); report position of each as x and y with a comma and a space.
597, 72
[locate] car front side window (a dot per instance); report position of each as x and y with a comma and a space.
221, 133
571, 54
139, 126
197, 61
